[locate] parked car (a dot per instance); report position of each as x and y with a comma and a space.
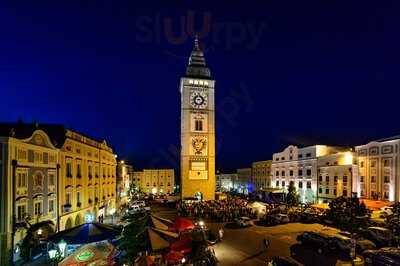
319, 241
281, 218
382, 237
282, 261
243, 221
141, 204
307, 217
382, 257
342, 243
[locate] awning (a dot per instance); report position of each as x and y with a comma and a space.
100, 253
167, 233
158, 224
182, 224
86, 233
156, 241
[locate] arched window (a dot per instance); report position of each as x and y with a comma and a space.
198, 125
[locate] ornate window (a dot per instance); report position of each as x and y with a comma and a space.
78, 169
37, 208
21, 210
51, 205
69, 168
38, 179
21, 179
51, 179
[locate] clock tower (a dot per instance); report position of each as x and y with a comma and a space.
197, 129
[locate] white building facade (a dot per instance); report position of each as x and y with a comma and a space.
337, 175
225, 182
379, 165
300, 166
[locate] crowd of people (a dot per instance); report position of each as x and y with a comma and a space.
216, 210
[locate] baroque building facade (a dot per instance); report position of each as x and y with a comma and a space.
379, 166
28, 172
87, 179
197, 129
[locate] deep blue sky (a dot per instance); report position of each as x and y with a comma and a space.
319, 72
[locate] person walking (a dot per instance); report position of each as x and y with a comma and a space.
221, 233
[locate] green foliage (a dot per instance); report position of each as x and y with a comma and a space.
348, 213
134, 236
292, 197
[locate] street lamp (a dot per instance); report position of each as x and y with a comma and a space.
62, 246
52, 254
201, 223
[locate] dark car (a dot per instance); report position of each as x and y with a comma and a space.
382, 237
282, 261
382, 257
342, 243
319, 241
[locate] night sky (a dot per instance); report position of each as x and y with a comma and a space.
287, 72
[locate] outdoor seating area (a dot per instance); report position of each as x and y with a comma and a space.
216, 210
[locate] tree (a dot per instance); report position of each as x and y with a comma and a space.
393, 220
292, 197
348, 213
134, 237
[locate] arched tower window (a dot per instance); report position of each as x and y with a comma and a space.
199, 125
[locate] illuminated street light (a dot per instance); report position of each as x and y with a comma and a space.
63, 246
52, 253
201, 223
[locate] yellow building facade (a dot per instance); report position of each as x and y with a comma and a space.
261, 175
155, 181
87, 180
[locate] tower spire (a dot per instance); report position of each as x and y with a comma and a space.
197, 64
196, 42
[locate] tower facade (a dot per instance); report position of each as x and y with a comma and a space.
197, 129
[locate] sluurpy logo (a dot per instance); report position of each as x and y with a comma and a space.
176, 31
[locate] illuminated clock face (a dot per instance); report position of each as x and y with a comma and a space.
198, 100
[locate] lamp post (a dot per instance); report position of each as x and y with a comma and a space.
13, 216
58, 196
